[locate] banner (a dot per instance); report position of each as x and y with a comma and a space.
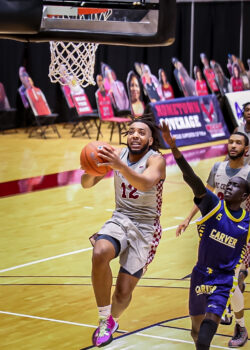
192, 120
235, 101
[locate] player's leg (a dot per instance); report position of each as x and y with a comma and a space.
220, 286
207, 331
122, 296
103, 253
240, 332
197, 302
132, 260
196, 323
105, 249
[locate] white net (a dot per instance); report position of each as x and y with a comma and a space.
74, 62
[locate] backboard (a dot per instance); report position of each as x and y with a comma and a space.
130, 23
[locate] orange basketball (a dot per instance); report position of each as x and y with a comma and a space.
89, 159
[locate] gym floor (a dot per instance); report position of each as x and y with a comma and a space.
46, 297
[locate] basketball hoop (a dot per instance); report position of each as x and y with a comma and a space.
74, 62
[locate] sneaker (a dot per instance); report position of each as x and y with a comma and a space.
239, 338
103, 334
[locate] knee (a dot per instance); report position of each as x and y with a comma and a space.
100, 257
122, 294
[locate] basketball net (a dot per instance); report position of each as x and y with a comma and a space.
73, 63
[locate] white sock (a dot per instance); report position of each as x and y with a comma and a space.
104, 311
240, 321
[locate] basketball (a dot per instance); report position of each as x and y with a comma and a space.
89, 159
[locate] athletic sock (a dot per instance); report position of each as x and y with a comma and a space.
104, 311
240, 321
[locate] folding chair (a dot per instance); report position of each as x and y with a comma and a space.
106, 115
81, 112
84, 115
7, 113
42, 118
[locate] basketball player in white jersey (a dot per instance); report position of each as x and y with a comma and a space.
245, 127
221, 172
134, 231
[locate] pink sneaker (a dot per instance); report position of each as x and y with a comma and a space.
239, 338
103, 334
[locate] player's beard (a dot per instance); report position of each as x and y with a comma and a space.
139, 151
236, 156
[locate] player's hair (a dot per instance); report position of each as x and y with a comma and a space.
242, 134
148, 119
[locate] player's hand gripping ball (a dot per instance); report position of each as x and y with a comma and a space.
89, 159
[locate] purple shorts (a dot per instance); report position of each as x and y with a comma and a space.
209, 291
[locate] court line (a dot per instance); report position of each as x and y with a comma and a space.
45, 259
177, 340
47, 319
66, 254
54, 320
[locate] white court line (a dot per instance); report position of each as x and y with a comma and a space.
177, 340
46, 259
66, 254
47, 319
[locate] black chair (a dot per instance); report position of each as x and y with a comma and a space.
7, 114
82, 116
83, 123
42, 120
42, 125
7, 120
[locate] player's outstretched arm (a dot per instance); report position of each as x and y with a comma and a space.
184, 224
189, 175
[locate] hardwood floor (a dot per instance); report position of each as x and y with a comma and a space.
46, 297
